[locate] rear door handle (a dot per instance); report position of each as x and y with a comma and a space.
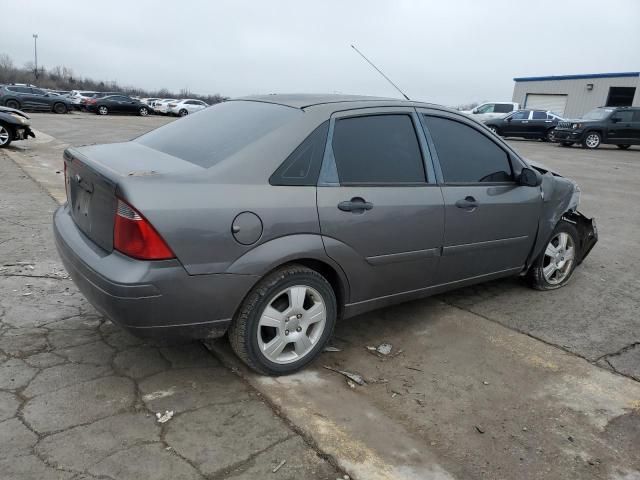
468, 203
355, 205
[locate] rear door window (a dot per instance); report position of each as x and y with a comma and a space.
218, 132
623, 116
466, 155
503, 108
377, 150
539, 116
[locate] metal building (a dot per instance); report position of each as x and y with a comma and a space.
571, 96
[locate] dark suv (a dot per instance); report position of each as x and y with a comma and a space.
619, 126
22, 97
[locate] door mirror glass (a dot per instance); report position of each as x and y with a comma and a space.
529, 177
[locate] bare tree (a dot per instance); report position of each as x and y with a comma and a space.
5, 62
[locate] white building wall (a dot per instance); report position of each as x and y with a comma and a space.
580, 100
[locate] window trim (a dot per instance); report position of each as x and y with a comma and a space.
512, 158
329, 176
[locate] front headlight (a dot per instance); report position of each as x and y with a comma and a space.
19, 118
576, 125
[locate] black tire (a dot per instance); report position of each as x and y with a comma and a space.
144, 111
566, 144
102, 110
6, 135
59, 108
243, 332
549, 135
623, 147
592, 140
13, 104
536, 274
183, 112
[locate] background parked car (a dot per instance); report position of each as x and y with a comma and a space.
30, 98
117, 104
77, 97
619, 126
14, 125
489, 110
162, 106
187, 106
526, 124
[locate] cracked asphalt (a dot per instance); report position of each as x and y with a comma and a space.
79, 396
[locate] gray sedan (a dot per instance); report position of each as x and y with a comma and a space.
268, 218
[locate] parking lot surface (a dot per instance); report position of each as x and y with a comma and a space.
491, 381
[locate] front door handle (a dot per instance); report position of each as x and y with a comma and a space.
355, 205
468, 203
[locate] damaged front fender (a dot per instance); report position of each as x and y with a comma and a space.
561, 197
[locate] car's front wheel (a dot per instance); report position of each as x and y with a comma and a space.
623, 147
285, 321
592, 140
6, 135
555, 265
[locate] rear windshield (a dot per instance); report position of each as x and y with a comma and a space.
215, 133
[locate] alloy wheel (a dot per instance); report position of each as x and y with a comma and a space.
592, 140
103, 110
5, 136
144, 112
559, 257
291, 324
551, 136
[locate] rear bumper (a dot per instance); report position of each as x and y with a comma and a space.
567, 135
150, 299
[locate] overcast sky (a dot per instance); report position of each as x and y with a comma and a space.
445, 51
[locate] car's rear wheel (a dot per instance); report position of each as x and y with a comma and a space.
550, 135
555, 265
183, 112
60, 108
285, 321
592, 140
143, 111
13, 104
6, 135
623, 147
102, 110
566, 144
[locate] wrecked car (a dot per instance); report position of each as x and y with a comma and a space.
14, 125
269, 218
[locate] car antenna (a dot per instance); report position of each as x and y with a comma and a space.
380, 72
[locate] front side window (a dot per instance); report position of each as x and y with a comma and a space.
523, 115
377, 149
487, 108
623, 116
539, 116
503, 108
466, 155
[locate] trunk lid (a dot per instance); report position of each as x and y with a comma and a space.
95, 176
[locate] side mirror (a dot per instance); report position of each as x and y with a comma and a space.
509, 119
475, 110
529, 177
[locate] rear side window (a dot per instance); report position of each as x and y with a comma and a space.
303, 165
466, 155
219, 131
378, 149
539, 116
503, 108
623, 116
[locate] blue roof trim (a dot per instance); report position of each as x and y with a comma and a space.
577, 77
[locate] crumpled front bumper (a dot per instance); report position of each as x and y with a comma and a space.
587, 230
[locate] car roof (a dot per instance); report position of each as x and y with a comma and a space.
305, 101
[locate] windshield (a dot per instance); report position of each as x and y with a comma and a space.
598, 114
215, 133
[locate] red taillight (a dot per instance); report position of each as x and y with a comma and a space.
134, 236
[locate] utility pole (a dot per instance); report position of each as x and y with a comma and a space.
35, 53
